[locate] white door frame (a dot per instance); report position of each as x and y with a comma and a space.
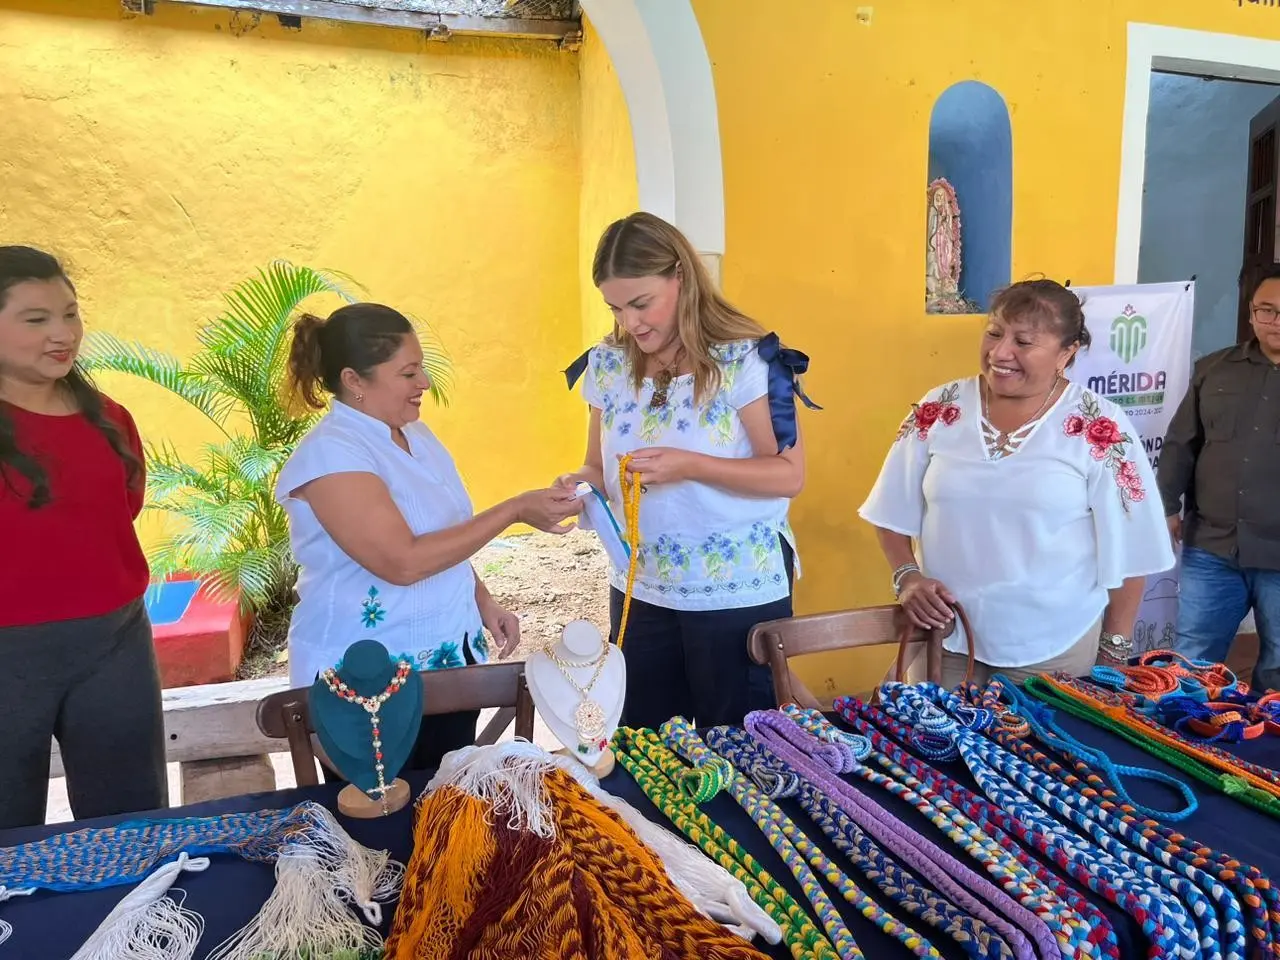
657, 50
1172, 50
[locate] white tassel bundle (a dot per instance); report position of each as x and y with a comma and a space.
148, 924
320, 875
509, 776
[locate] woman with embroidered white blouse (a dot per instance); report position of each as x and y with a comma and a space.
703, 400
1024, 497
379, 520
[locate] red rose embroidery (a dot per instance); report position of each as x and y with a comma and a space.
1107, 443
924, 415
1102, 432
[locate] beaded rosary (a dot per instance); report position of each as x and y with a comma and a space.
1256, 892
791, 844
997, 823
372, 706
631, 488
779, 780
1087, 709
1040, 721
1054, 925
1194, 886
1120, 706
1163, 918
652, 766
821, 758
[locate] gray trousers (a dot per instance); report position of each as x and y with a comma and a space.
94, 685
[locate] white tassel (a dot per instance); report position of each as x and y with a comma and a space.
148, 924
510, 775
305, 916
320, 874
6, 928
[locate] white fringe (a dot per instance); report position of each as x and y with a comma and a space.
148, 924
320, 874
510, 777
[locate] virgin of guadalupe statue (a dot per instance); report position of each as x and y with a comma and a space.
942, 253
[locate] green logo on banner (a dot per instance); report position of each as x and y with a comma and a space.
1128, 335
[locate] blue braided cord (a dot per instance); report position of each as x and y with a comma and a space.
1070, 805
128, 852
1179, 853
778, 780
1166, 923
791, 843
1040, 717
1002, 828
1068, 927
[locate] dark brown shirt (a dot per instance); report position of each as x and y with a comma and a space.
1222, 453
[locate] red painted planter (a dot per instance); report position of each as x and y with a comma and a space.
198, 640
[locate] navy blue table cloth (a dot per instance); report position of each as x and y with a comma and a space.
52, 926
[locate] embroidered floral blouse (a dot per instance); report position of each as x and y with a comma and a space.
1030, 542
701, 547
434, 621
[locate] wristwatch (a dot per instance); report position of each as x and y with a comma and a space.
1116, 646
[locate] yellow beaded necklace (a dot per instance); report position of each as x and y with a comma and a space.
631, 512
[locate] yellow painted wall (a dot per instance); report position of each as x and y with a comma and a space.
824, 124
167, 157
609, 188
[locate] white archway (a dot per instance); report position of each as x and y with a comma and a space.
657, 50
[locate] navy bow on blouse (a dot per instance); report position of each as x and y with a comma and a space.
785, 368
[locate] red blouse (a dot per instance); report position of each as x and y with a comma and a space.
78, 555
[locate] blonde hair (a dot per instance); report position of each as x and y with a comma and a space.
643, 245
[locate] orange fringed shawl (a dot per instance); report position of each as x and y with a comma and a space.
479, 888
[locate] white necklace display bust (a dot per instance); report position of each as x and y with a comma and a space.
578, 685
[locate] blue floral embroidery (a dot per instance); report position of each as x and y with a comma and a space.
718, 417
719, 554
624, 428
445, 657
763, 541
673, 558
372, 613
682, 425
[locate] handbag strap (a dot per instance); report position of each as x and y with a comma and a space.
905, 641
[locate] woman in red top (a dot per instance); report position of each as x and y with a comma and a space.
76, 652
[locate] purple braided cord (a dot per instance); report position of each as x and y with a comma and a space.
818, 761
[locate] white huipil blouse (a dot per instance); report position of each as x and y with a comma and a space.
1029, 542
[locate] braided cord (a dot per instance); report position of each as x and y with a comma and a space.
994, 820
643, 756
1256, 892
783, 835
1064, 698
778, 779
1162, 919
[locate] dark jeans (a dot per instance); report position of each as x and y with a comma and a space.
694, 663
1215, 594
94, 685
438, 734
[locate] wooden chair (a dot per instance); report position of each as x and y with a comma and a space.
502, 685
774, 643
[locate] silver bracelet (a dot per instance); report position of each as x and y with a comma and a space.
1115, 646
901, 574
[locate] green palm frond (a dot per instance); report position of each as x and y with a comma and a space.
227, 528
103, 351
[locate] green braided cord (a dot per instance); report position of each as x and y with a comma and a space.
800, 855
1232, 786
650, 764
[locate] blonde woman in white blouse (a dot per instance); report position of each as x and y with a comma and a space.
1025, 498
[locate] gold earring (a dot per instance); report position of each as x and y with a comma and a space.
359, 398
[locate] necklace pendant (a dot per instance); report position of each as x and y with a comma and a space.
589, 720
659, 399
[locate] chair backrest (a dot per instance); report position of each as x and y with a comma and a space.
773, 643
285, 715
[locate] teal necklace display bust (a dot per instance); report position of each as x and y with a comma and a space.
367, 712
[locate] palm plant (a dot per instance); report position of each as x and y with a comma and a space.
228, 530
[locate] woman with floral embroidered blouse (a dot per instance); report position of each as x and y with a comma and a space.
703, 400
1025, 498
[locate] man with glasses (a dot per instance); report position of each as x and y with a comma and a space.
1219, 477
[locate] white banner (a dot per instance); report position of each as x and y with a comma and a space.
1141, 360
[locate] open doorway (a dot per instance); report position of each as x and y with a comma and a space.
1209, 193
